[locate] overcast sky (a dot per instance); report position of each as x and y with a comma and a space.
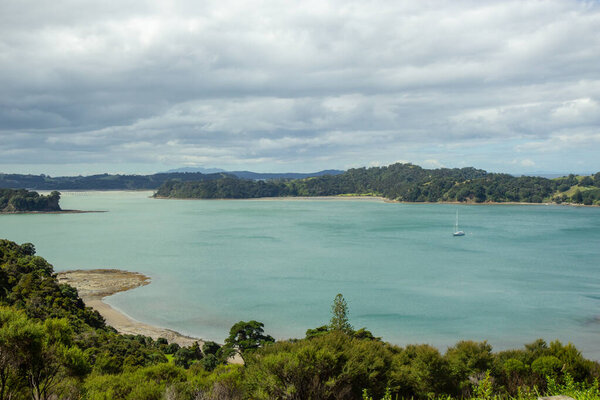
144, 86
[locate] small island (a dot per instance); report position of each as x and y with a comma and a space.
23, 200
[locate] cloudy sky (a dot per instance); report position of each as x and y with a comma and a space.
144, 86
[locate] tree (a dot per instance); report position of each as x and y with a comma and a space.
245, 337
586, 181
52, 358
186, 356
28, 249
210, 348
321, 330
18, 337
339, 319
468, 362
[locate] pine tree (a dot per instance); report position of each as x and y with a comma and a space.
339, 319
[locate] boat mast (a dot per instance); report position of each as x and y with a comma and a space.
456, 223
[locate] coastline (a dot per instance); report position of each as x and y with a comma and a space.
384, 200
96, 284
287, 198
52, 212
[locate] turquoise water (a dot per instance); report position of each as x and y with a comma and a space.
520, 273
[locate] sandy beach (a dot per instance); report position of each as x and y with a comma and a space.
94, 285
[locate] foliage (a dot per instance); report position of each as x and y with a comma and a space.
331, 366
21, 200
28, 282
403, 182
52, 346
244, 337
339, 318
100, 182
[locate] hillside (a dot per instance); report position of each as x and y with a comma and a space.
402, 182
135, 182
99, 182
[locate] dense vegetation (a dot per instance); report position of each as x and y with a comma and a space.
403, 182
21, 200
99, 182
53, 347
131, 182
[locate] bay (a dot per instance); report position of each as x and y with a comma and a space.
520, 273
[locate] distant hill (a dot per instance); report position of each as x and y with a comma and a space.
402, 182
100, 182
259, 175
197, 169
284, 175
138, 182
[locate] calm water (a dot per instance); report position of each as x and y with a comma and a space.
520, 273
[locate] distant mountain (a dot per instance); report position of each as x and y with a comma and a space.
197, 169
552, 175
284, 175
137, 182
100, 182
258, 175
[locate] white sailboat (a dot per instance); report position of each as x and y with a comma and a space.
456, 231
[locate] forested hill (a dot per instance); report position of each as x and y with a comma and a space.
402, 182
134, 182
100, 182
21, 200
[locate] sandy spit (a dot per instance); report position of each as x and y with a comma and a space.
96, 284
289, 198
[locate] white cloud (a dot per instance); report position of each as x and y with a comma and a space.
295, 83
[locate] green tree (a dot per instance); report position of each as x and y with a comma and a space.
321, 330
210, 348
339, 319
19, 336
586, 181
547, 366
245, 337
469, 361
51, 357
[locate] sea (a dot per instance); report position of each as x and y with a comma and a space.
520, 273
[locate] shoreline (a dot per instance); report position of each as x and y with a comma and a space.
382, 199
95, 285
52, 212
287, 198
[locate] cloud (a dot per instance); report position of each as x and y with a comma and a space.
298, 84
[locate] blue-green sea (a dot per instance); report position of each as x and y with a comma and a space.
521, 272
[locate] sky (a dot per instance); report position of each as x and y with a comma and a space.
134, 86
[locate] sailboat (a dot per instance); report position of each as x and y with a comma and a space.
456, 231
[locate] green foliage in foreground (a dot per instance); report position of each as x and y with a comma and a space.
21, 200
403, 182
53, 347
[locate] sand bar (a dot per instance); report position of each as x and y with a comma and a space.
96, 284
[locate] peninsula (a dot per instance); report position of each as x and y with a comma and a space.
401, 182
96, 284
